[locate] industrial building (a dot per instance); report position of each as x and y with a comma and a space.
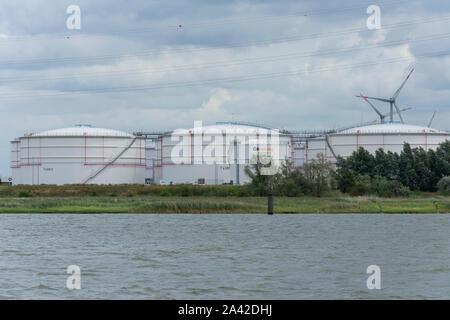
213, 154
217, 154
5, 180
78, 155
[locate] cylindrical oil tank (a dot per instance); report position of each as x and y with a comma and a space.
78, 155
387, 136
217, 154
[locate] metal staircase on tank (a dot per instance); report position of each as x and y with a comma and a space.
92, 176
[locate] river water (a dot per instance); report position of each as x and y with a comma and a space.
217, 256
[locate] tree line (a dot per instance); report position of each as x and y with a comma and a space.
382, 173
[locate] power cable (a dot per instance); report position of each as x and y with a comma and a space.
228, 63
9, 63
226, 79
209, 23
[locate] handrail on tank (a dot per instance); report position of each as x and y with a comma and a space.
110, 162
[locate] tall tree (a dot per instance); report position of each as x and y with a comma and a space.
345, 177
362, 162
407, 172
319, 174
422, 169
259, 185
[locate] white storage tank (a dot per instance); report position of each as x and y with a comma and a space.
388, 136
78, 155
217, 154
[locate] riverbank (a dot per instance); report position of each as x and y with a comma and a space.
204, 204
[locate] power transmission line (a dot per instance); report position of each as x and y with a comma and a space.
228, 63
9, 63
226, 79
208, 23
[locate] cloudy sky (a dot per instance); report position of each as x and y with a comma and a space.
158, 65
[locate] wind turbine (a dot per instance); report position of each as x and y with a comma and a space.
391, 101
382, 116
432, 118
387, 114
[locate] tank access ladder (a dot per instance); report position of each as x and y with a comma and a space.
330, 147
96, 173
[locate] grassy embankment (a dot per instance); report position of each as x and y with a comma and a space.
197, 199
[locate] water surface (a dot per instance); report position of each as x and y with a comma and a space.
132, 256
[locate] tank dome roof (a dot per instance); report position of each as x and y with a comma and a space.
81, 130
232, 128
390, 128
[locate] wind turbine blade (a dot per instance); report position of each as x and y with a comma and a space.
379, 99
373, 107
403, 84
401, 110
432, 118
398, 112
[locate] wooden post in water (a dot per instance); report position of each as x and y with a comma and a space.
270, 201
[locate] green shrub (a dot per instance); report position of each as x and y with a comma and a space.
186, 191
444, 185
359, 189
402, 191
144, 191
165, 193
243, 192
380, 186
24, 194
361, 186
233, 192
388, 188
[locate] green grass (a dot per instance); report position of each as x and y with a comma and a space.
122, 190
197, 199
213, 204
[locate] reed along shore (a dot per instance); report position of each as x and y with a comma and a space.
198, 199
